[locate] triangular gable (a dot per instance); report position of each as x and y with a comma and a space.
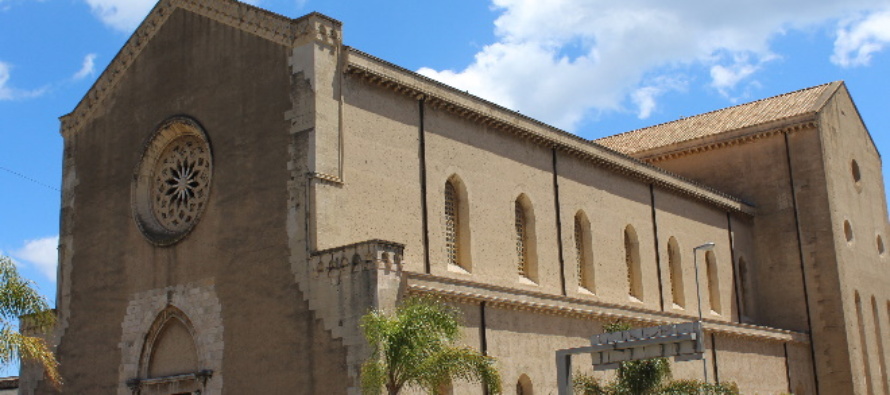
842, 89
266, 24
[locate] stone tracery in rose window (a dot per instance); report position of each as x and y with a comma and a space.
181, 181
171, 186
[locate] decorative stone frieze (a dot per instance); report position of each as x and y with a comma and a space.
743, 139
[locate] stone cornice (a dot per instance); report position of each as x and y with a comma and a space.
516, 299
729, 139
253, 20
441, 96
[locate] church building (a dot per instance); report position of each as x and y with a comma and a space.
240, 187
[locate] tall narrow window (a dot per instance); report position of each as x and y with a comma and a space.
863, 345
713, 282
525, 238
583, 252
457, 225
882, 360
743, 287
452, 224
632, 259
676, 271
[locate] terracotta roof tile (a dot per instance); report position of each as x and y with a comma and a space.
712, 123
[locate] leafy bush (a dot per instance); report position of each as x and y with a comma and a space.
696, 387
586, 384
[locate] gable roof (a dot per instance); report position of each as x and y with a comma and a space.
774, 109
254, 20
320, 28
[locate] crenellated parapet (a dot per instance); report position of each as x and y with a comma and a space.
367, 255
344, 283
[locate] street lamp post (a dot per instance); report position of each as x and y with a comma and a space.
704, 247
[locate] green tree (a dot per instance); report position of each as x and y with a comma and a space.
19, 300
415, 347
639, 377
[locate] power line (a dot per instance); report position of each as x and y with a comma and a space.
13, 172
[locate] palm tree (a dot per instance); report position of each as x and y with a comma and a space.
19, 300
414, 347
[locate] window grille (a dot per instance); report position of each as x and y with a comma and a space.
521, 253
628, 259
579, 252
452, 226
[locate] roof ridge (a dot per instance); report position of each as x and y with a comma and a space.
719, 110
471, 96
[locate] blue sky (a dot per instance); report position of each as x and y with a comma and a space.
594, 68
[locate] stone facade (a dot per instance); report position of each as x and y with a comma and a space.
342, 183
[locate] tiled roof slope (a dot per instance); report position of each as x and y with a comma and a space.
758, 112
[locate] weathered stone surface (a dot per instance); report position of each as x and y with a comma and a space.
328, 200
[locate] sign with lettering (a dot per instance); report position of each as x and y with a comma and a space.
684, 341
679, 340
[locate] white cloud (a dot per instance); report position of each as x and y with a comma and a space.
41, 253
644, 97
858, 38
5, 91
725, 78
563, 60
9, 93
125, 15
88, 67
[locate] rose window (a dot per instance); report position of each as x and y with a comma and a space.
172, 183
181, 180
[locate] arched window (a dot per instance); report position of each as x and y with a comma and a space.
676, 272
457, 230
524, 386
526, 253
863, 343
882, 361
170, 356
713, 282
632, 259
584, 252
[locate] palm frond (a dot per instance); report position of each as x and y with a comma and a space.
18, 297
414, 347
24, 310
31, 349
